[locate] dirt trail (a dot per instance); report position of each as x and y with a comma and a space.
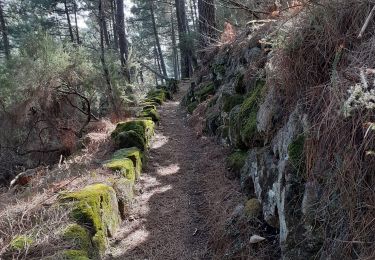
182, 195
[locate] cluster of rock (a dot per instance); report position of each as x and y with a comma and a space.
97, 210
244, 109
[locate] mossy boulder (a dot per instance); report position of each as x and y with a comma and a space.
236, 161
123, 165
230, 101
21, 242
134, 154
78, 237
95, 207
253, 208
146, 107
248, 116
150, 113
192, 106
158, 96
203, 93
72, 254
124, 189
130, 139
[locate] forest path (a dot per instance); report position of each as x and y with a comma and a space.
182, 194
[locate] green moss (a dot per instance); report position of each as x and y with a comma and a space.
95, 207
296, 154
130, 139
237, 160
192, 106
133, 154
74, 255
203, 93
151, 113
21, 242
248, 115
252, 208
240, 86
158, 96
146, 107
149, 103
123, 165
77, 236
230, 101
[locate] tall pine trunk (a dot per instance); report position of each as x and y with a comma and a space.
107, 77
123, 44
157, 40
76, 22
114, 25
174, 46
207, 22
4, 31
69, 22
185, 48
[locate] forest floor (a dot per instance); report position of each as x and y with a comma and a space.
183, 197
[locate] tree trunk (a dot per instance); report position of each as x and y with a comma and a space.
69, 22
123, 44
4, 31
103, 62
114, 25
157, 40
207, 23
174, 46
185, 49
76, 22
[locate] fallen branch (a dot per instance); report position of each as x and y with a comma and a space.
153, 71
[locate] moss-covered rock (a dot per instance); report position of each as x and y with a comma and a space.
124, 165
253, 208
130, 139
72, 254
150, 113
203, 93
148, 106
230, 101
133, 154
248, 115
296, 153
159, 96
236, 161
95, 207
77, 236
192, 106
239, 86
235, 128
124, 189
21, 242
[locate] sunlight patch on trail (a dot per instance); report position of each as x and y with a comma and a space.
168, 170
159, 141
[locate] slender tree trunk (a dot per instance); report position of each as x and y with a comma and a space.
207, 23
174, 46
123, 44
185, 49
76, 22
4, 31
103, 62
192, 13
114, 26
106, 35
69, 22
157, 40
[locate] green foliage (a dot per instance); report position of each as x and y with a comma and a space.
296, 152
230, 101
192, 106
237, 160
20, 243
203, 93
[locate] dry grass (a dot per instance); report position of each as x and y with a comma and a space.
320, 61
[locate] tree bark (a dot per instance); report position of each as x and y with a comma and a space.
207, 23
103, 62
69, 22
114, 25
157, 40
185, 49
76, 22
4, 31
123, 44
174, 46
